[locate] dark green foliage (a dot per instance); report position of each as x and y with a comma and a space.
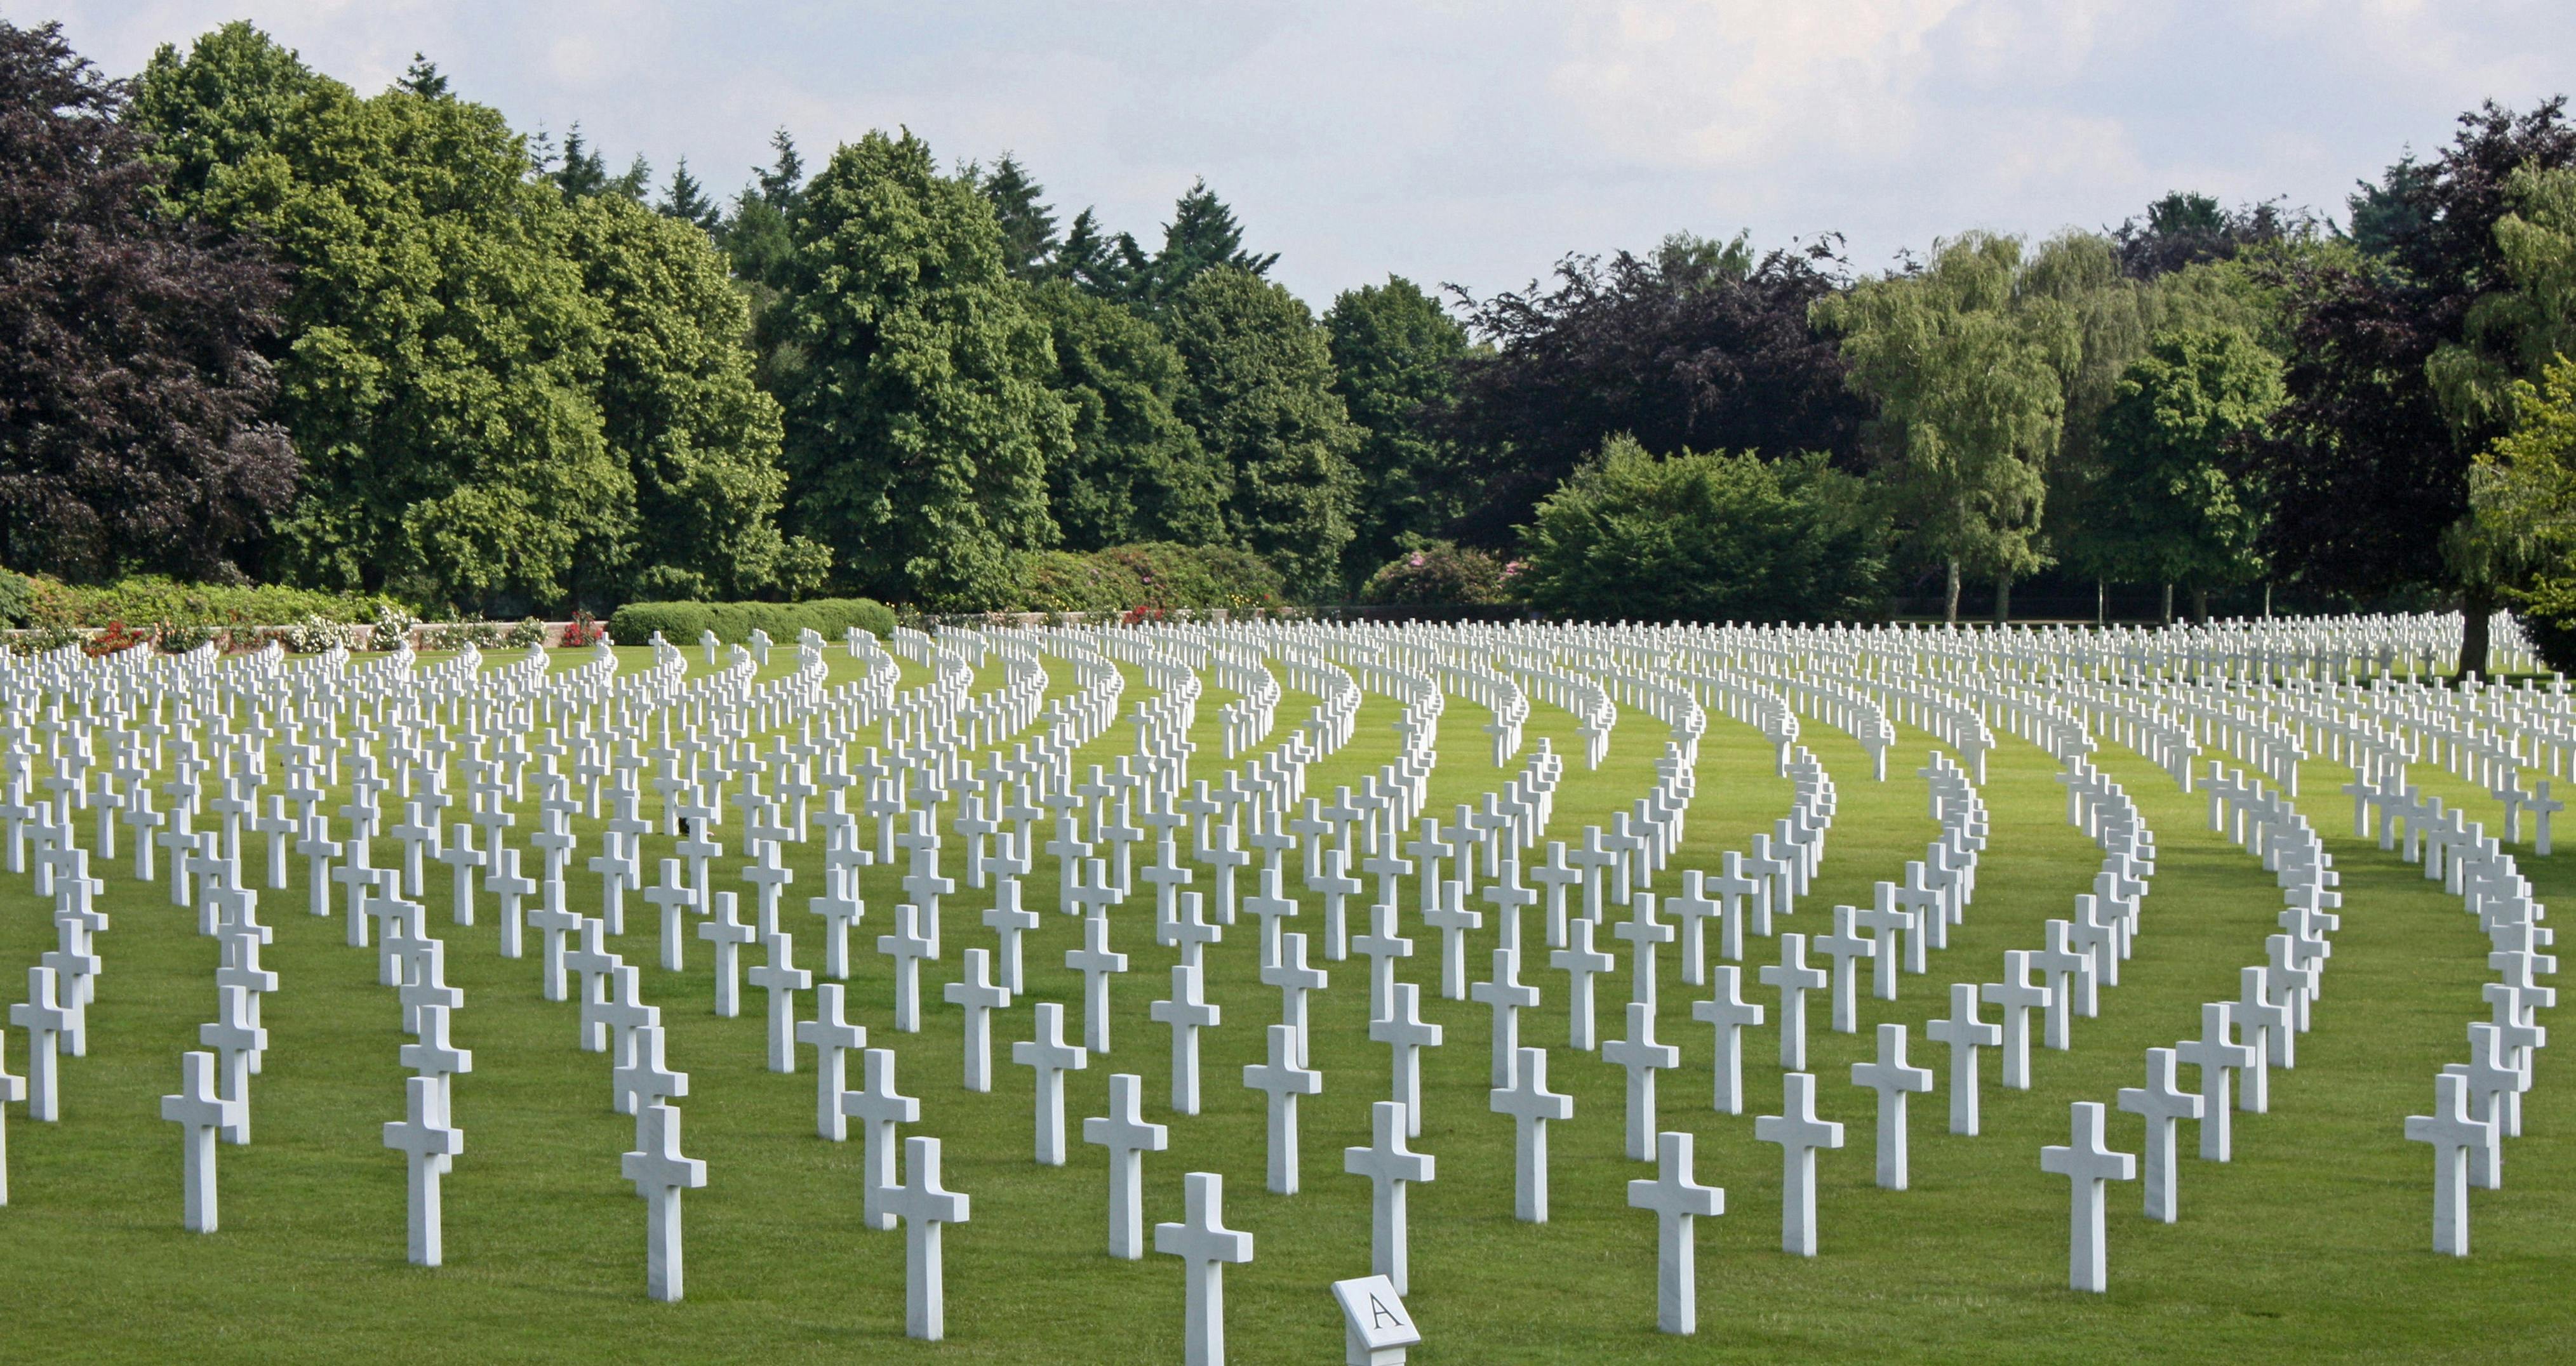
679, 409
1028, 225
2185, 229
1396, 355
1136, 471
923, 422
2183, 513
1261, 397
454, 454
1689, 349
1441, 574
1707, 538
134, 401
687, 200
16, 592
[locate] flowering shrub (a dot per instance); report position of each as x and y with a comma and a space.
180, 639
114, 639
1441, 574
584, 630
529, 631
315, 634
456, 635
393, 625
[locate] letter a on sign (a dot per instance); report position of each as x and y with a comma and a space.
1379, 1329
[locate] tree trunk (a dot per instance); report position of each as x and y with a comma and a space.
2200, 605
1951, 612
2267, 601
2168, 604
2003, 599
2477, 607
2101, 604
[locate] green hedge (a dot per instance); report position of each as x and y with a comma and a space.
733, 622
153, 600
1170, 575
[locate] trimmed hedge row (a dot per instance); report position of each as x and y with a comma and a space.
155, 601
733, 622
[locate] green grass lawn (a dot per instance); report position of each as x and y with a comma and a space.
2313, 1244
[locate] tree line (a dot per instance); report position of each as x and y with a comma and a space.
257, 324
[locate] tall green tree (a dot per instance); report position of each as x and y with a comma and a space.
1697, 345
679, 408
1707, 537
1967, 370
2186, 513
1396, 354
921, 426
1136, 471
1019, 207
1202, 236
685, 199
133, 430
442, 355
2369, 461
1261, 396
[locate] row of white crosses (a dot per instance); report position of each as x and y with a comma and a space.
1643, 945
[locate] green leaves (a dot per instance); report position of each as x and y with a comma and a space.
922, 423
1966, 367
1262, 399
1711, 537
2185, 513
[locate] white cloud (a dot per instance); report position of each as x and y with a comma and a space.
1478, 141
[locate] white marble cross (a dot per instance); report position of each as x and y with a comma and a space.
833, 1037
1009, 920
1295, 980
1799, 1134
878, 1108
1206, 1247
2161, 1104
1406, 1034
1049, 1057
1187, 1012
46, 1020
1127, 1136
430, 1144
1391, 1166
782, 979
2454, 1136
1531, 1105
1507, 998
1893, 1080
2018, 996
201, 1112
1965, 1034
235, 1042
1845, 946
907, 946
925, 1208
1283, 1078
1642, 1057
1732, 1015
2216, 1055
2087, 1163
1581, 963
1677, 1200
1794, 979
1095, 961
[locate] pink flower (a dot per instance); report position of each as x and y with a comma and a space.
1417, 562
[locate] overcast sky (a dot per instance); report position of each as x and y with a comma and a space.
1478, 142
